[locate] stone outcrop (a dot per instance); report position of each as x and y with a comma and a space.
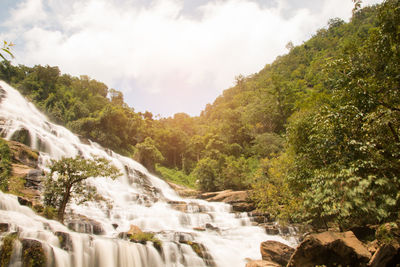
239, 200
178, 205
23, 154
330, 248
227, 196
183, 191
82, 224
201, 251
276, 252
4, 227
262, 263
386, 255
65, 240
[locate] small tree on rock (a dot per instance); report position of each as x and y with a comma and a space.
68, 179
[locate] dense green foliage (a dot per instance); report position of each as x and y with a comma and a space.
68, 179
347, 150
5, 165
176, 176
315, 134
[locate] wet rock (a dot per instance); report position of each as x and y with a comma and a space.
24, 154
32, 253
207, 195
284, 230
271, 229
24, 201
183, 237
39, 208
4, 227
83, 139
179, 205
133, 229
331, 249
258, 219
20, 171
227, 196
276, 252
34, 179
201, 251
386, 255
183, 191
22, 136
243, 207
65, 240
114, 225
261, 263
211, 227
85, 225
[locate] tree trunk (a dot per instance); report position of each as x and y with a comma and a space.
61, 209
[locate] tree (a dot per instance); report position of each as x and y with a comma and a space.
148, 154
347, 151
68, 179
6, 49
207, 173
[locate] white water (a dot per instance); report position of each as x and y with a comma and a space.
140, 200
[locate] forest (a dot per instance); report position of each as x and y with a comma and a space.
315, 135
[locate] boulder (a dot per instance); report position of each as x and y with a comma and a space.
262, 263
34, 179
330, 249
179, 205
227, 196
276, 252
201, 251
134, 230
4, 227
242, 206
271, 229
211, 227
23, 154
24, 201
86, 225
386, 255
183, 191
65, 240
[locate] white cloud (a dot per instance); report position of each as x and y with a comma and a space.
173, 57
30, 11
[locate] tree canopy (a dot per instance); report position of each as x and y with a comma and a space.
67, 180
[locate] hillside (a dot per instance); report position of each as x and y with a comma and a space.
315, 133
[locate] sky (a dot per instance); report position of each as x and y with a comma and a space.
166, 56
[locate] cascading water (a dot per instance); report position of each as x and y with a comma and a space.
137, 198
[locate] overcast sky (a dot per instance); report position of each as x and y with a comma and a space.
166, 56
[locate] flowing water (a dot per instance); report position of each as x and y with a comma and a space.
136, 198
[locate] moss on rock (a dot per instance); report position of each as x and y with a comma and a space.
33, 253
143, 237
7, 248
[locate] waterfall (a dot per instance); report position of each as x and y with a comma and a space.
136, 198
